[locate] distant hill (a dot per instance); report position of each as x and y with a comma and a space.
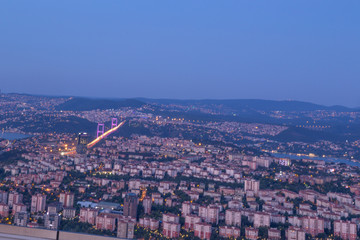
294, 134
87, 104
252, 104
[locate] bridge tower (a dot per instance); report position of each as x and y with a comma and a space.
100, 129
114, 122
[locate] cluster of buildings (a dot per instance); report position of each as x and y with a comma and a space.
229, 180
174, 187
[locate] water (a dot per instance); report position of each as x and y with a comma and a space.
326, 159
13, 136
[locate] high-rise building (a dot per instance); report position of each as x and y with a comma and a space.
67, 199
82, 141
130, 205
38, 203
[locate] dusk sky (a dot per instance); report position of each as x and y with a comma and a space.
301, 50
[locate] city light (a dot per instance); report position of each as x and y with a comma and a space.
96, 140
104, 135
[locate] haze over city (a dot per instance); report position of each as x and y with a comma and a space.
278, 50
185, 120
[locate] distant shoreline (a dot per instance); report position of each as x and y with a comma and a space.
293, 156
13, 136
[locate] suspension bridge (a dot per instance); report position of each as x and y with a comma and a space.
100, 134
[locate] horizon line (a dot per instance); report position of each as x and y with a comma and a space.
179, 99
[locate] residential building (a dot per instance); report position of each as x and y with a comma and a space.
21, 219
210, 213
169, 217
251, 185
125, 228
69, 212
171, 230
107, 221
345, 229
202, 230
229, 232
150, 223
130, 205
261, 220
3, 197
38, 203
88, 215
14, 197
233, 217
18, 207
4, 210
274, 234
251, 233
147, 202
295, 233
52, 221
67, 199
191, 220
312, 225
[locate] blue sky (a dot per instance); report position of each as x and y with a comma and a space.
300, 50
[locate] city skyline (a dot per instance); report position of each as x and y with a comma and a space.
184, 120
305, 51
355, 107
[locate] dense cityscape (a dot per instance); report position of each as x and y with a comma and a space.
185, 120
159, 171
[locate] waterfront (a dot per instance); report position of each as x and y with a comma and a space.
326, 159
